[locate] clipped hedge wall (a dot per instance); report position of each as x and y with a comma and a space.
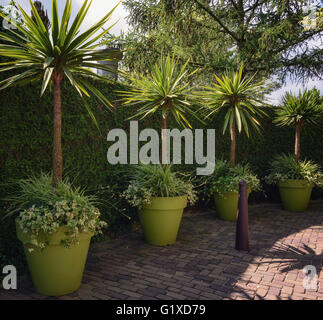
26, 140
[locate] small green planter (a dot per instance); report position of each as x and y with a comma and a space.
295, 194
56, 270
226, 205
161, 219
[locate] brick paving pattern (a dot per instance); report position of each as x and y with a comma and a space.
203, 264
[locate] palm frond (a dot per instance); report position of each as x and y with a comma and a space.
305, 108
165, 90
38, 53
238, 97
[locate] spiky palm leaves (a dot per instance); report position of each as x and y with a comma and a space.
240, 99
304, 109
37, 53
165, 91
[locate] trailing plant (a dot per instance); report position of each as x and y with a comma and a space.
285, 167
43, 209
226, 178
148, 181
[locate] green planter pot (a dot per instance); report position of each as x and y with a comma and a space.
295, 194
226, 205
161, 219
56, 270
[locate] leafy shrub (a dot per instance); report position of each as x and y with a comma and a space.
43, 209
148, 181
225, 178
286, 167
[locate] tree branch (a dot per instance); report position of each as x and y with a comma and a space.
252, 14
209, 11
296, 42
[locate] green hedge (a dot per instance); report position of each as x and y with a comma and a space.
26, 139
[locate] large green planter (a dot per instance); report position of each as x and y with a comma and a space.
56, 270
295, 194
226, 205
161, 219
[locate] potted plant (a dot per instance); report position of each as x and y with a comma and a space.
55, 226
296, 178
241, 101
161, 196
38, 52
165, 91
223, 185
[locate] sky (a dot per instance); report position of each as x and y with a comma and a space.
100, 7
97, 10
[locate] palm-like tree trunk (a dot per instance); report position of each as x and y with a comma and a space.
298, 141
233, 142
57, 139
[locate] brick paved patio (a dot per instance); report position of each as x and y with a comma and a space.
203, 264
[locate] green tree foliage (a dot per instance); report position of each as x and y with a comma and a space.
268, 35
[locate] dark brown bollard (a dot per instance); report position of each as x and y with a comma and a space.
242, 233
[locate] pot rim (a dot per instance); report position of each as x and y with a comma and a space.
166, 203
298, 183
176, 197
53, 238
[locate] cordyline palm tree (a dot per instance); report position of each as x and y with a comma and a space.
165, 91
306, 109
50, 55
241, 101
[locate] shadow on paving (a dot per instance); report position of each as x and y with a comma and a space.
203, 263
